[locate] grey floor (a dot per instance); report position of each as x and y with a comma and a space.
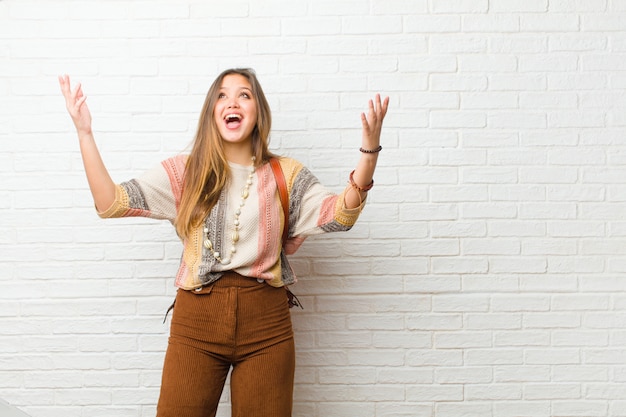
7, 410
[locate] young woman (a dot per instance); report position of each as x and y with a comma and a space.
231, 308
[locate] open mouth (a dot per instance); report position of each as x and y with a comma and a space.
233, 120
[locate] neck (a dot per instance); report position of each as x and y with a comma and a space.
238, 153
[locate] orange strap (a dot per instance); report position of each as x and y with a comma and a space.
282, 193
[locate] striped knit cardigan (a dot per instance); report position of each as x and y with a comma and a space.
313, 210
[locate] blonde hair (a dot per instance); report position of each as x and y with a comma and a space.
207, 170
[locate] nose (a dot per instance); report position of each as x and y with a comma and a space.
232, 102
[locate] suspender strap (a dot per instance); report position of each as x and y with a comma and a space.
284, 201
282, 193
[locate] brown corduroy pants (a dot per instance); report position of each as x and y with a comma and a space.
236, 322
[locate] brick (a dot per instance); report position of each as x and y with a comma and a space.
457, 119
307, 26
549, 246
492, 283
433, 284
548, 100
436, 393
522, 338
434, 357
517, 82
548, 282
580, 338
524, 373
427, 63
489, 139
432, 247
429, 23
345, 408
492, 246
580, 302
490, 211
434, 322
519, 6
401, 339
578, 6
347, 8
551, 320
602, 22
374, 322
459, 340
357, 394
579, 408
523, 303
558, 22
552, 392
492, 357
458, 229
588, 81
499, 23
489, 100
448, 265
483, 321
464, 409
552, 356
467, 83
452, 303
577, 193
556, 211
406, 375
566, 373
523, 409
371, 24
446, 194
493, 392
578, 265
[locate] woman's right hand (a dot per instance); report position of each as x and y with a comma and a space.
100, 183
76, 105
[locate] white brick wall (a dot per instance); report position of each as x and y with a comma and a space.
484, 279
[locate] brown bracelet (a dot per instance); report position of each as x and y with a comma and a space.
356, 187
375, 150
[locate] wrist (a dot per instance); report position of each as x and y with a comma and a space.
85, 135
367, 150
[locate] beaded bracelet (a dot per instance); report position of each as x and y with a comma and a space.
375, 150
356, 187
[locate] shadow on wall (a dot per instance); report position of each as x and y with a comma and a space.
7, 410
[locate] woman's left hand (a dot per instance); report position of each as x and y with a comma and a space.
373, 122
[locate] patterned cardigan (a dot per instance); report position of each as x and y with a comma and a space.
313, 210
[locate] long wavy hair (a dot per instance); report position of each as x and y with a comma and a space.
207, 171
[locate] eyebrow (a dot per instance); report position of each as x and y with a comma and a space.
238, 88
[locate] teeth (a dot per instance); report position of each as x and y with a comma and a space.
230, 117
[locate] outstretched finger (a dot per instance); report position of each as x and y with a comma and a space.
378, 102
80, 102
364, 122
385, 106
373, 116
64, 83
76, 92
382, 106
79, 91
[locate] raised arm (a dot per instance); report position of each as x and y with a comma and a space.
361, 179
100, 182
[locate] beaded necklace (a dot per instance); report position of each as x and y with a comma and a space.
245, 192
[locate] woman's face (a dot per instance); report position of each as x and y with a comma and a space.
235, 110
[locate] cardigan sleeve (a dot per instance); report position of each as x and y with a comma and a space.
154, 194
313, 208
